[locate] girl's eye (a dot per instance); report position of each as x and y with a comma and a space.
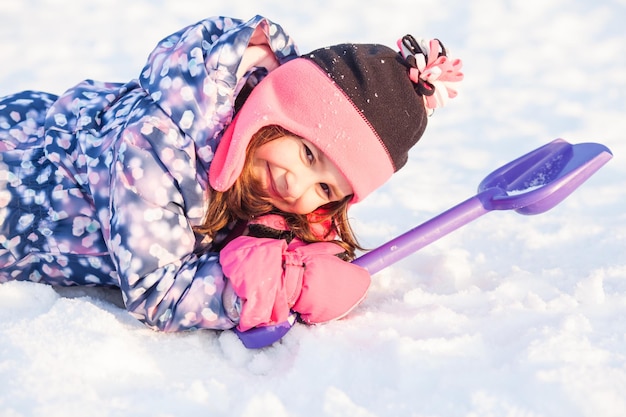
325, 188
309, 154
311, 158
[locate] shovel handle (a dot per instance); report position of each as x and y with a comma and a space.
428, 232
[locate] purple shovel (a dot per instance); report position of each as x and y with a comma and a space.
531, 184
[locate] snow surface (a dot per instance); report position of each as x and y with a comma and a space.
509, 316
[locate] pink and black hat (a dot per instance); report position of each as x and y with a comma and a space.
363, 105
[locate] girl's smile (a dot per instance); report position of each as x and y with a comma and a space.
297, 176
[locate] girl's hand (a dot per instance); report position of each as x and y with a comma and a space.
272, 278
257, 56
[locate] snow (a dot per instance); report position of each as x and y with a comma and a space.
510, 315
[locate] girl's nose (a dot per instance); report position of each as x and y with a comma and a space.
297, 185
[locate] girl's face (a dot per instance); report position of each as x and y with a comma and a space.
297, 176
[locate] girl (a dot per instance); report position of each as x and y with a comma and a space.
213, 190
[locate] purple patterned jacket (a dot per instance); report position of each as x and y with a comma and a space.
103, 185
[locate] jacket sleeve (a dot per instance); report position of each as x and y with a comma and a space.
158, 177
164, 283
195, 77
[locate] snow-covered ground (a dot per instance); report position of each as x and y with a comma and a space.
509, 316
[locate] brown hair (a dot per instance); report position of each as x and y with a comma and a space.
246, 199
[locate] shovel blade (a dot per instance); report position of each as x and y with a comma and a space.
541, 179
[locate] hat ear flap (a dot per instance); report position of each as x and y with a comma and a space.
229, 159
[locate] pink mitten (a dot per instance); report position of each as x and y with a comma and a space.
273, 277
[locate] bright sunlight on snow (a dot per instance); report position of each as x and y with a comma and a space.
510, 315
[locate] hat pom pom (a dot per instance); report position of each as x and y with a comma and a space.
435, 75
